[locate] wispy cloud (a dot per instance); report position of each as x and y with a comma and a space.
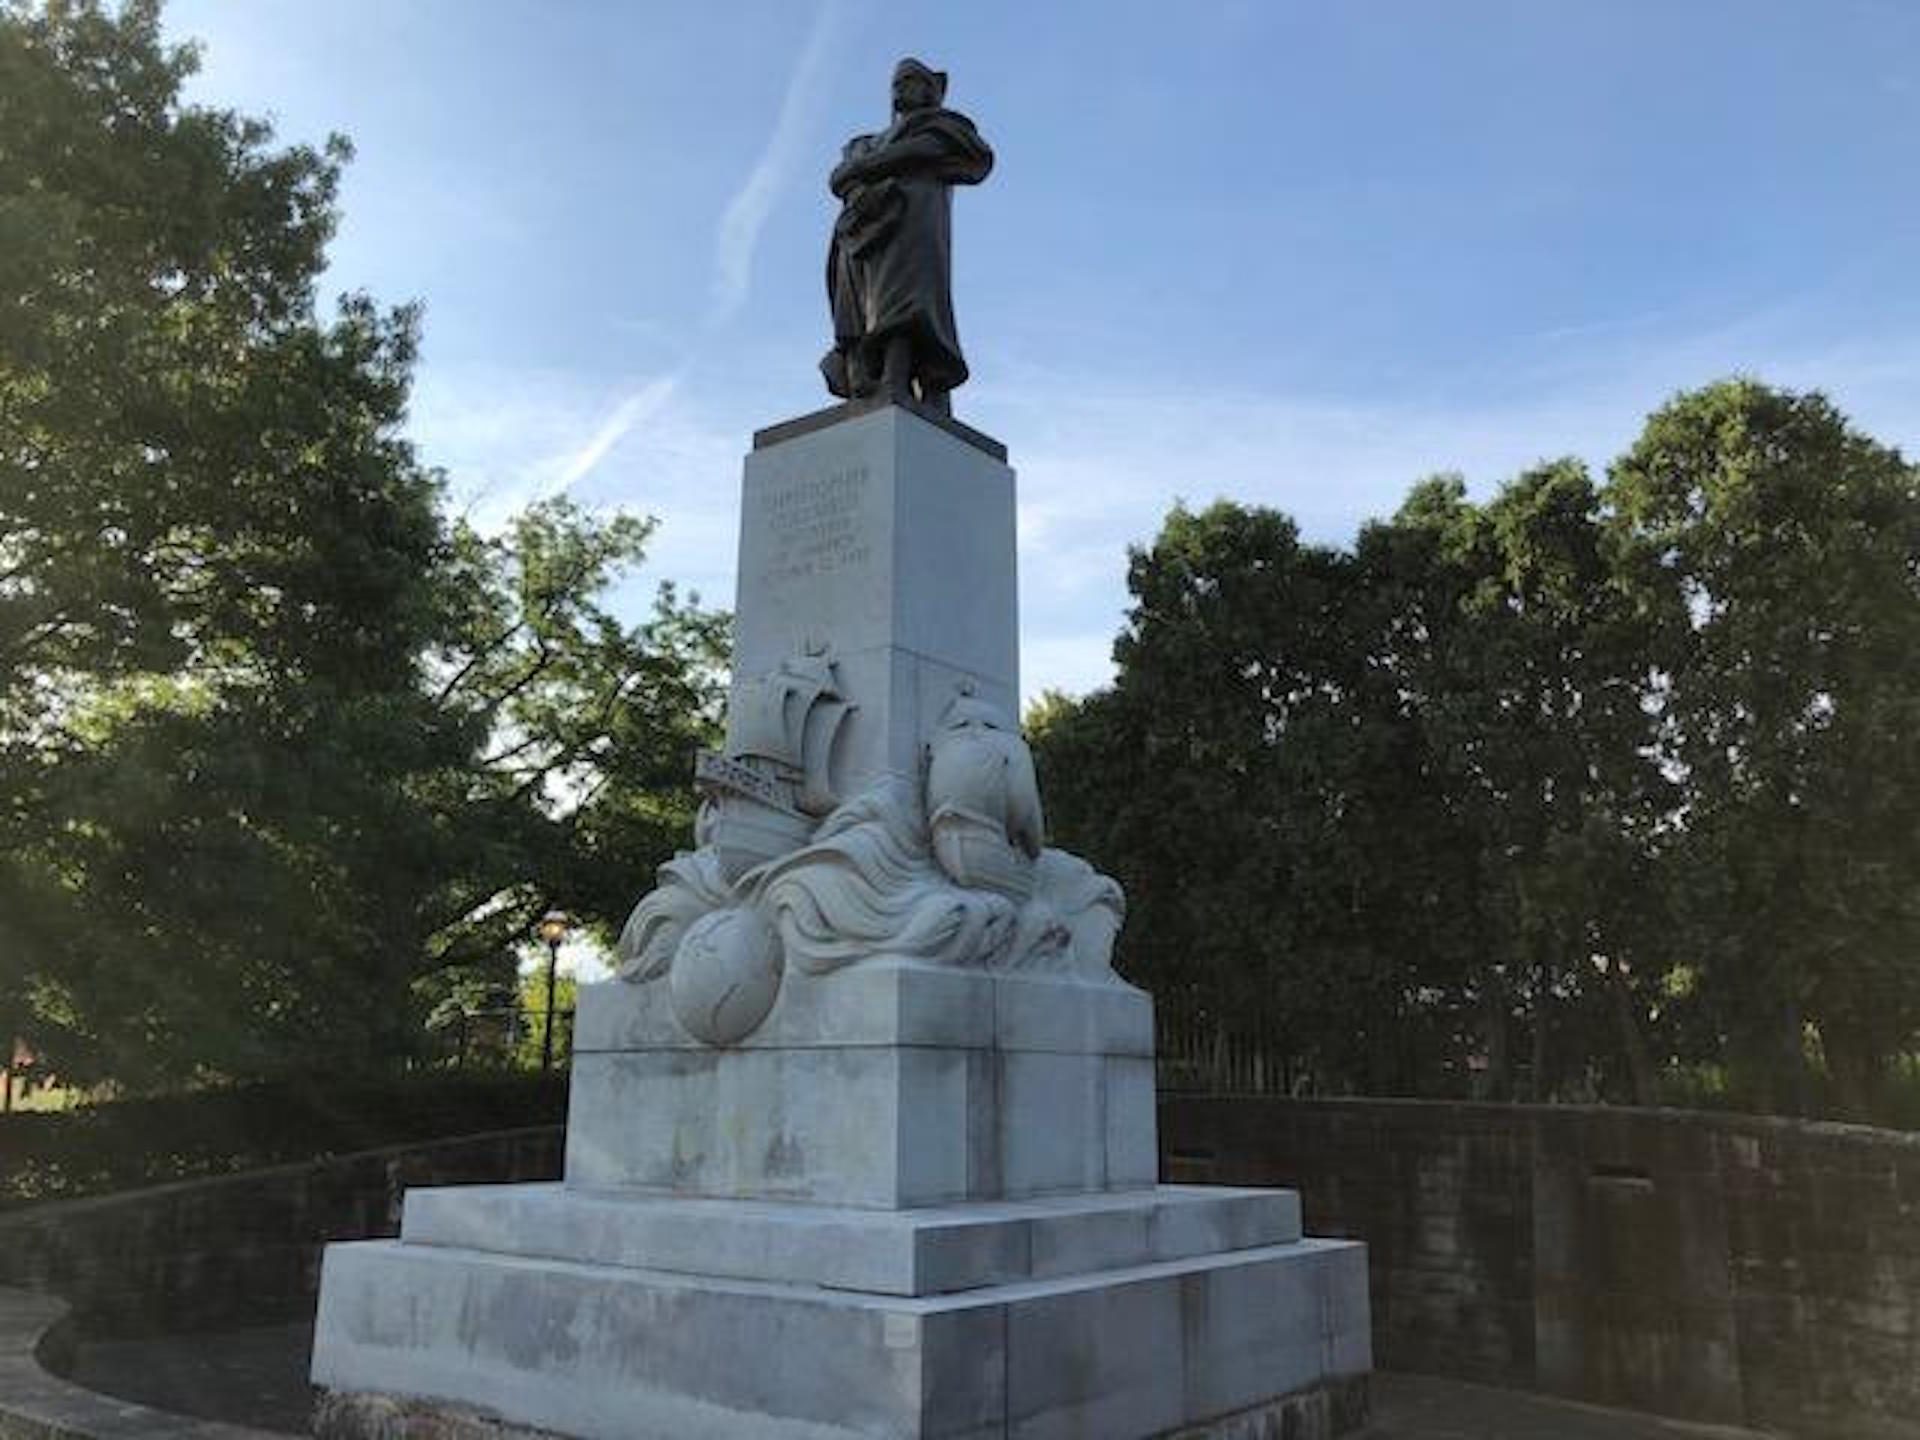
509, 438
746, 213
739, 234
637, 407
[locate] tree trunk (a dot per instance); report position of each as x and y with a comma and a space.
1499, 1077
1642, 1079
1793, 1060
1854, 1068
1542, 991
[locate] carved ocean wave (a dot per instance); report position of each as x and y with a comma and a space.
688, 886
868, 885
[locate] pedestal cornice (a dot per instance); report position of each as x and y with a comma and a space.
853, 409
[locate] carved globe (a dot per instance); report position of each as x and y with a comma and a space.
725, 975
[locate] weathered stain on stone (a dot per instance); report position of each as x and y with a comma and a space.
784, 1157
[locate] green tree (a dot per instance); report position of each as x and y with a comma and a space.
532, 999
582, 786
1274, 800
1527, 685
216, 559
1387, 809
1586, 785
278, 744
1777, 551
156, 274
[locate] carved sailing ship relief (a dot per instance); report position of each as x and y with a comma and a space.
946, 867
765, 797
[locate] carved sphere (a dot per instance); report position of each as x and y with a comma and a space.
725, 975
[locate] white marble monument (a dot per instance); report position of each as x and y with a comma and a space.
862, 1138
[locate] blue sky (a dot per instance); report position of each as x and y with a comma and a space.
1297, 254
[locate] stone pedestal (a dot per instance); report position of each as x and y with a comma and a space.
863, 1143
887, 1084
887, 541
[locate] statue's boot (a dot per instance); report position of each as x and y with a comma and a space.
833, 368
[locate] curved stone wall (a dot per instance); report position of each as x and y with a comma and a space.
1711, 1267
239, 1249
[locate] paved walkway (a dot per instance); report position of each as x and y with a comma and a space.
1415, 1407
259, 1377
246, 1377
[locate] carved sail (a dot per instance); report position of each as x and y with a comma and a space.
765, 796
772, 723
822, 728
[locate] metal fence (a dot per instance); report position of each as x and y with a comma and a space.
1201, 1055
1196, 1055
505, 1037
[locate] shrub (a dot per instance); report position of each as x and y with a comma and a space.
129, 1143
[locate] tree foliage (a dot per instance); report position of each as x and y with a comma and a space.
1776, 554
1560, 794
281, 747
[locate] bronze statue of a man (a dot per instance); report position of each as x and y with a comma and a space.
890, 263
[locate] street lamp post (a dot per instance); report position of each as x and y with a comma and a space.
552, 929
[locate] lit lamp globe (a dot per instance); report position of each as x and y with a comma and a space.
553, 928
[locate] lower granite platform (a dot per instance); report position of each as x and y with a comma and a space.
929, 1251
1119, 1316
1325, 1412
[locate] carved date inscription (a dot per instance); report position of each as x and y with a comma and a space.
815, 526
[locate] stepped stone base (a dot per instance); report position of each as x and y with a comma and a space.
1324, 1412
1180, 1311
936, 1250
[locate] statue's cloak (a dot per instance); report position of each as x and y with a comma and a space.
890, 265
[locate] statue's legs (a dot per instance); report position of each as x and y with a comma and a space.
897, 379
896, 375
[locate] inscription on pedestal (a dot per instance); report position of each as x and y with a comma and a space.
891, 544
814, 528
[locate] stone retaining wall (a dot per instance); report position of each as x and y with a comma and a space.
1711, 1267
238, 1249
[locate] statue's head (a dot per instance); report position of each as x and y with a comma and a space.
917, 87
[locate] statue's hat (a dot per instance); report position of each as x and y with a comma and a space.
911, 66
